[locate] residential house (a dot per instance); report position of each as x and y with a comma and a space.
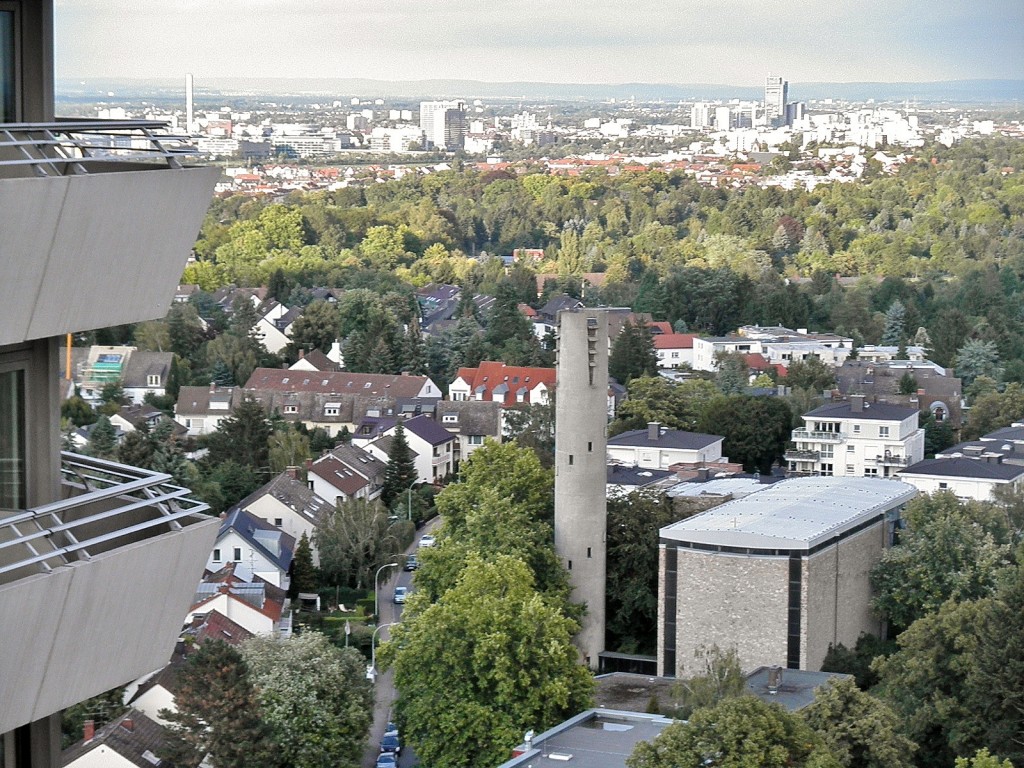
759, 574
133, 740
139, 373
875, 353
624, 480
777, 345
674, 349
935, 389
288, 504
257, 606
471, 421
504, 384
200, 410
660, 448
341, 382
547, 316
315, 360
433, 445
92, 550
261, 547
273, 325
972, 472
856, 438
345, 473
146, 373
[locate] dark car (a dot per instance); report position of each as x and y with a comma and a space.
390, 743
411, 563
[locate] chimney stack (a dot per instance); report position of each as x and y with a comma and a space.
856, 403
653, 430
89, 730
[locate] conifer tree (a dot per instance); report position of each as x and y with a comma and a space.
303, 571
401, 470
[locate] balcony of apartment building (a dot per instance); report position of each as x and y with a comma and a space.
817, 436
96, 219
889, 459
93, 587
802, 455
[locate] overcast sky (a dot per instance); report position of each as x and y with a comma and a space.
599, 41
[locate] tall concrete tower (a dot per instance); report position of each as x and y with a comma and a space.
581, 425
189, 105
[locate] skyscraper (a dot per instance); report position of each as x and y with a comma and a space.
581, 423
98, 560
776, 94
444, 123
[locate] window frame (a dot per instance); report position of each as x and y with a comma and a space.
15, 65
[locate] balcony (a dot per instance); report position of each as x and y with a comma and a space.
98, 218
818, 437
797, 455
94, 587
889, 460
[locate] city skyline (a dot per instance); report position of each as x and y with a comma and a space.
905, 40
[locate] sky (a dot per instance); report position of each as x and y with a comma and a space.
733, 42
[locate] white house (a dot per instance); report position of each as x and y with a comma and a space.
854, 438
433, 445
969, 475
201, 409
674, 349
346, 473
660, 448
289, 505
261, 548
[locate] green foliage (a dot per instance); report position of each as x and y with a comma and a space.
314, 698
946, 551
77, 411
810, 374
977, 358
632, 569
100, 709
858, 660
288, 448
243, 437
303, 572
717, 677
736, 733
103, 439
533, 426
353, 542
755, 429
995, 410
894, 332
400, 473
633, 354
217, 713
982, 759
858, 729
676, 406
486, 662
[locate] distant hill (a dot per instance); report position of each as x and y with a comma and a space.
952, 91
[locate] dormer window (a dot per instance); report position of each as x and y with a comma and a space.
153, 380
291, 409
450, 418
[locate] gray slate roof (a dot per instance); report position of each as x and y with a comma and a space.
976, 469
670, 438
871, 411
475, 417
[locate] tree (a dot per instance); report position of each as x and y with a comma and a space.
314, 698
633, 353
634, 520
501, 661
533, 426
217, 713
718, 677
858, 729
894, 332
907, 384
316, 328
977, 358
744, 732
676, 406
303, 572
732, 375
242, 437
982, 759
400, 474
77, 411
994, 410
811, 374
287, 448
945, 552
103, 439
755, 429
506, 325
353, 542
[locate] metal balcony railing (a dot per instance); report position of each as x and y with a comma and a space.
71, 147
890, 460
802, 433
107, 506
798, 455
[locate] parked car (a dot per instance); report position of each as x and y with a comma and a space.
411, 563
391, 729
390, 743
387, 760
400, 593
427, 541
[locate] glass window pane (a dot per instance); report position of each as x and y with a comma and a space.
7, 67
12, 440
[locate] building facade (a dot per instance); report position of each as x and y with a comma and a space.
779, 575
92, 551
854, 438
443, 123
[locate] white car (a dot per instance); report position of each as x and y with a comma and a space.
400, 594
427, 541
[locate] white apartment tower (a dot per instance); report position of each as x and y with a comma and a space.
700, 115
776, 94
444, 123
580, 467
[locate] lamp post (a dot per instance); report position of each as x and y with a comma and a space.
376, 588
408, 492
371, 673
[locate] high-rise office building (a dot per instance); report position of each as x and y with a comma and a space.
444, 123
776, 94
581, 425
99, 561
700, 115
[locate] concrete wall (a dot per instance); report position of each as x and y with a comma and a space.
580, 469
90, 251
731, 601
964, 487
837, 595
91, 626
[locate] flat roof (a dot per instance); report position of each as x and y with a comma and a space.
797, 513
597, 738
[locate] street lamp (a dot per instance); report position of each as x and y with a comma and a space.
371, 673
376, 588
408, 491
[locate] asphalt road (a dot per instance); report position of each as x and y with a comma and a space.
384, 685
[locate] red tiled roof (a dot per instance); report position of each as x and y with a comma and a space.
675, 341
490, 374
